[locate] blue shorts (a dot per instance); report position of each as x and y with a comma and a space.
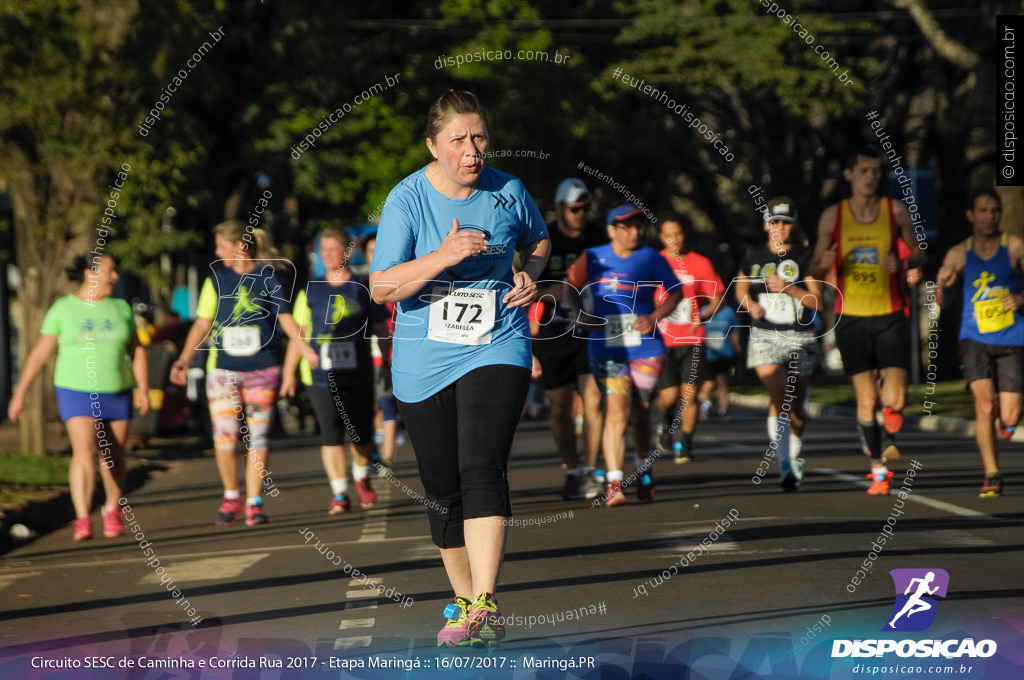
388, 411
101, 406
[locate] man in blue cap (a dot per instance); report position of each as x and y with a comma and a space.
626, 352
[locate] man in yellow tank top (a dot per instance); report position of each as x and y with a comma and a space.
858, 237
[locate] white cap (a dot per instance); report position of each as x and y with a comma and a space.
571, 190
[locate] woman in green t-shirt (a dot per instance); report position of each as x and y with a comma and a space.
94, 335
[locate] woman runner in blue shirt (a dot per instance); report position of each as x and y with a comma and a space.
461, 362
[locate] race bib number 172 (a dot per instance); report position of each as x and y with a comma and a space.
462, 316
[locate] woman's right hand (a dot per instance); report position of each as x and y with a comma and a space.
458, 245
179, 373
16, 408
755, 310
287, 386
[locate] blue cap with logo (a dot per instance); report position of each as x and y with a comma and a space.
623, 212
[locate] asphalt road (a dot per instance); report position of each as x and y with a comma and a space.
718, 578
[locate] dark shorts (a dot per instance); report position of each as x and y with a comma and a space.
101, 406
724, 366
684, 365
870, 342
999, 363
344, 412
562, 361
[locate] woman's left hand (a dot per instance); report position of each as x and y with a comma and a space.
310, 355
523, 293
142, 398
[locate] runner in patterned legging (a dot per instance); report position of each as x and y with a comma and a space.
238, 313
627, 352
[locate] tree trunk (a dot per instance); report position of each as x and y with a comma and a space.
32, 428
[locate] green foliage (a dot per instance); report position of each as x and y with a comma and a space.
79, 77
18, 469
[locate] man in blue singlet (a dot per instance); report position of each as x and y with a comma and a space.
991, 327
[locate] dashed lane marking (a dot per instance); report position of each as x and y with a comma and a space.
356, 623
375, 527
353, 642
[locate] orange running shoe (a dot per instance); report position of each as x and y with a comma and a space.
880, 485
893, 420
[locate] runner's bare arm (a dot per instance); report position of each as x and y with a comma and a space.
952, 266
918, 258
535, 257
398, 282
825, 250
743, 298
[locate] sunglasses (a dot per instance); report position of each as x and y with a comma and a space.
628, 225
577, 209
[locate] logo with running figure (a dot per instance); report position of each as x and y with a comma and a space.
914, 609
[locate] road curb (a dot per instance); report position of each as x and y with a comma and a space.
49, 513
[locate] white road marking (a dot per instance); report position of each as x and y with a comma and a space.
209, 569
350, 642
375, 527
916, 497
361, 594
356, 623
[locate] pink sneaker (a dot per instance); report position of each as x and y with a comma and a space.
83, 528
229, 508
367, 496
456, 629
112, 524
254, 515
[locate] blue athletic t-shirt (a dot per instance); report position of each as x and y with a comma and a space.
623, 289
985, 281
457, 322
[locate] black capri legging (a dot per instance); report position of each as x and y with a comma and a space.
344, 413
462, 437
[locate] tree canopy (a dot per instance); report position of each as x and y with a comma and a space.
563, 80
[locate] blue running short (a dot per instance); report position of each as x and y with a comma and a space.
98, 405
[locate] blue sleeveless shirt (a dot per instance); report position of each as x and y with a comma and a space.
985, 281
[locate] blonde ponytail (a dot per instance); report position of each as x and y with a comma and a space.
250, 242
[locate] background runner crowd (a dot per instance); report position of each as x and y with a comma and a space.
469, 294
